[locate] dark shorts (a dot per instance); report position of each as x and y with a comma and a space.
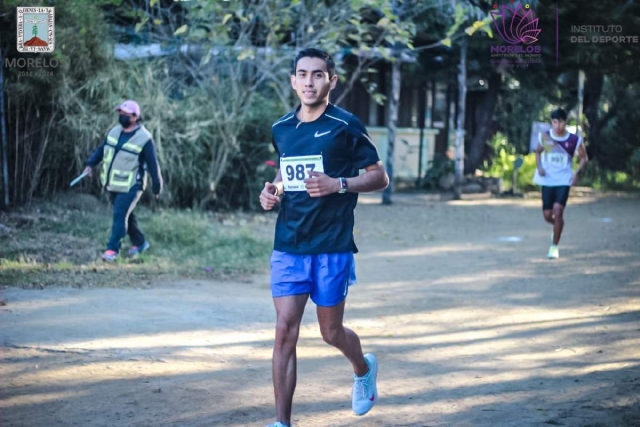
553, 195
325, 277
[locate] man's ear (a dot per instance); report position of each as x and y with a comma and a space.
293, 81
334, 81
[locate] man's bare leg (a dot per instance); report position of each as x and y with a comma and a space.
289, 311
344, 339
558, 222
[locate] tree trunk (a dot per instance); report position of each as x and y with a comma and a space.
479, 142
3, 130
396, 79
462, 99
37, 169
592, 93
581, 77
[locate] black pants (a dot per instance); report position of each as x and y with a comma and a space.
553, 195
124, 220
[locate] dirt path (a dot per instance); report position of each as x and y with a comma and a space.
472, 325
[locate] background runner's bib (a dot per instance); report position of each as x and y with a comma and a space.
555, 160
295, 170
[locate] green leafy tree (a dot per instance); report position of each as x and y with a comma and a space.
250, 48
611, 68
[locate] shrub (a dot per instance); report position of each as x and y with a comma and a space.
503, 161
440, 166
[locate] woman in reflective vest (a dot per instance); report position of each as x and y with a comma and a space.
127, 155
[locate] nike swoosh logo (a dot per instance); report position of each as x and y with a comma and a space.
372, 398
317, 135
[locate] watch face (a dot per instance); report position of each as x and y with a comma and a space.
343, 185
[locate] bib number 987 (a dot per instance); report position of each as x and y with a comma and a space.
295, 170
299, 172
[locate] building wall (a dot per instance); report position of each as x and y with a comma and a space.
433, 106
406, 159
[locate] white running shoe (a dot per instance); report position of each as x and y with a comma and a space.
554, 253
365, 390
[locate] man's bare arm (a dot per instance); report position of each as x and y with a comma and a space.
375, 178
584, 158
539, 151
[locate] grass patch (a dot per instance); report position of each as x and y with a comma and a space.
184, 240
51, 244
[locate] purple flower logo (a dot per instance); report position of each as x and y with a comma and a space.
516, 25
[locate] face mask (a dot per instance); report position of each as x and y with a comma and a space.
125, 121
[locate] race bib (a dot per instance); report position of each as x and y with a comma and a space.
556, 160
296, 169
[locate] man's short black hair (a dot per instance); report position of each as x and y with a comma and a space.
315, 53
559, 114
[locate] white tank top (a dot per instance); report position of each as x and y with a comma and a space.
556, 161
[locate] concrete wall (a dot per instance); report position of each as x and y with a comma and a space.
407, 149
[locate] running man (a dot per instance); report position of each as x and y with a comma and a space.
554, 158
322, 149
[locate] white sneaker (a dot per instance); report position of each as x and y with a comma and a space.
554, 253
365, 390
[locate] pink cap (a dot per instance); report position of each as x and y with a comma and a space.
130, 107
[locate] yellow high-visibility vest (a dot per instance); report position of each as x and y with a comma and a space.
119, 170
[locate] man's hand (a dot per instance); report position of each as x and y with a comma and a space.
88, 171
268, 199
319, 184
541, 171
574, 180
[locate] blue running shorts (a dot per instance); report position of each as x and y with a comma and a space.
325, 277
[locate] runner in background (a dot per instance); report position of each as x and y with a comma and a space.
554, 158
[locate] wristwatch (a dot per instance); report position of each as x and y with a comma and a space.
343, 185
